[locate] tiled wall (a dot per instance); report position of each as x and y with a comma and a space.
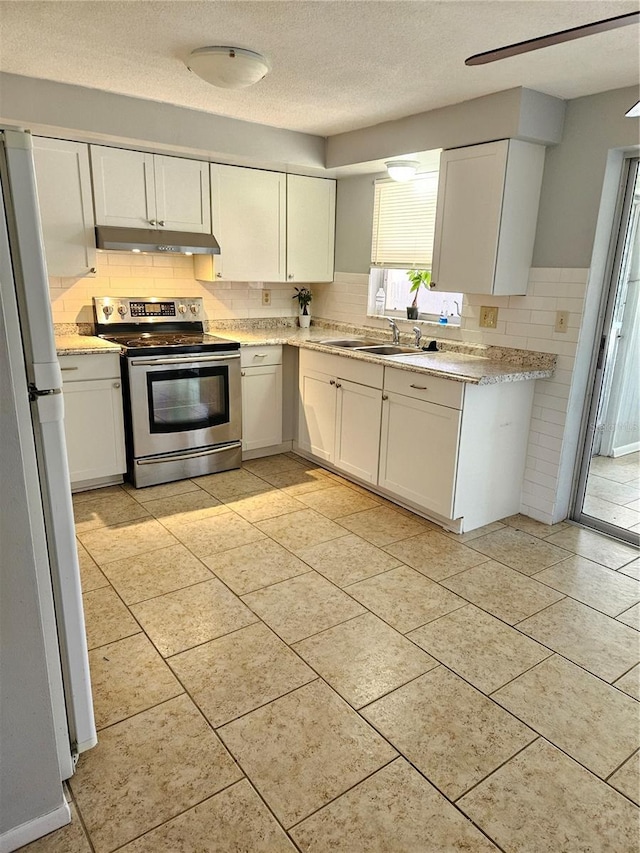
126, 274
524, 322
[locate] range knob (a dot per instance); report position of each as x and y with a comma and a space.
122, 310
194, 308
107, 310
182, 309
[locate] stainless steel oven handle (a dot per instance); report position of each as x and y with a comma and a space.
193, 359
178, 457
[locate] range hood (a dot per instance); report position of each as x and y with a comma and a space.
152, 240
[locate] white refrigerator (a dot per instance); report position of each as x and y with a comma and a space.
46, 711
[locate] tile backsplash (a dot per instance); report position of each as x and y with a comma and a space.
126, 274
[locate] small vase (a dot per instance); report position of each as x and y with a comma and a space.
304, 320
412, 312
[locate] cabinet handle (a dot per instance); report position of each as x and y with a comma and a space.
153, 222
242, 373
93, 270
290, 276
338, 384
419, 387
161, 223
260, 355
218, 275
385, 396
69, 368
332, 382
433, 284
116, 384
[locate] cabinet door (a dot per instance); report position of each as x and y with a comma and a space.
357, 444
123, 187
317, 414
419, 451
311, 213
249, 222
261, 407
469, 206
94, 429
66, 210
183, 201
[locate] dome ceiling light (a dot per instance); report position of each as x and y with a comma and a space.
228, 67
401, 170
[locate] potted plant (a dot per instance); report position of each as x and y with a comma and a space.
417, 278
304, 297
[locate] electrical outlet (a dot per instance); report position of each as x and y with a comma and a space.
266, 297
488, 316
562, 321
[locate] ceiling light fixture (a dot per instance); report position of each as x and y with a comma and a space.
634, 112
228, 67
401, 170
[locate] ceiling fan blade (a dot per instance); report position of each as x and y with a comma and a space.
554, 38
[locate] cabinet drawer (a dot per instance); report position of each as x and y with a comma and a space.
421, 386
351, 369
260, 356
78, 368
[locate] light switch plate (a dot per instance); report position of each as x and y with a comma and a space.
488, 316
266, 297
562, 321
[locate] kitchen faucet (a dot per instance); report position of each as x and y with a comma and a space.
396, 330
417, 331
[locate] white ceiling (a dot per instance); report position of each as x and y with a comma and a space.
337, 65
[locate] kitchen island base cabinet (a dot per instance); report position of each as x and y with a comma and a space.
93, 419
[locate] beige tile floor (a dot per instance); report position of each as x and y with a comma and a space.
613, 490
282, 662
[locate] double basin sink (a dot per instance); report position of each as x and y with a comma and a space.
372, 347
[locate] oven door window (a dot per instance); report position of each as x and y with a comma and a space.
188, 399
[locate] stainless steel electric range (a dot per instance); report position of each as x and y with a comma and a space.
181, 387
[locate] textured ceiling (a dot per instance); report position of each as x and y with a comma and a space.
336, 66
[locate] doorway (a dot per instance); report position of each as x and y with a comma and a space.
608, 493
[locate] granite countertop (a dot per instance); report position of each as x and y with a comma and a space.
460, 362
470, 363
83, 344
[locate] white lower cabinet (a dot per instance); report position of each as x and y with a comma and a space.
261, 397
340, 406
93, 419
453, 450
410, 428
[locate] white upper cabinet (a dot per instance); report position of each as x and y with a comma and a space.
249, 223
270, 227
64, 195
137, 190
311, 215
183, 201
486, 217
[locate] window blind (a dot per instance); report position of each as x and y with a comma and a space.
404, 217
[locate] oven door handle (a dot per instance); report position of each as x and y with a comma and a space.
178, 457
191, 360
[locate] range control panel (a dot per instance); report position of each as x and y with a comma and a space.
150, 309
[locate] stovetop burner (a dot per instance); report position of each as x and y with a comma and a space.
155, 326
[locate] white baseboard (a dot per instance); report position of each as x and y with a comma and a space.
274, 449
34, 829
626, 449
